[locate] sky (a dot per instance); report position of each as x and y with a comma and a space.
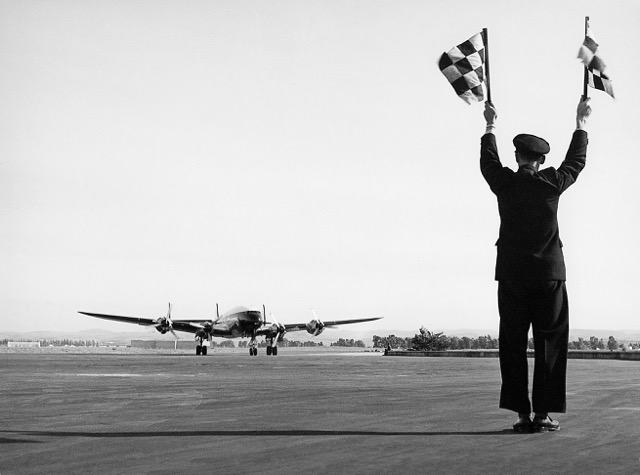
298, 154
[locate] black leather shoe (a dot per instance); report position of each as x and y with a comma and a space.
523, 424
544, 425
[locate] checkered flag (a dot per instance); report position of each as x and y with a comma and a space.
463, 66
590, 56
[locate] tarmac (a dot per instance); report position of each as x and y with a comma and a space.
304, 411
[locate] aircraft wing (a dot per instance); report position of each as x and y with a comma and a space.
190, 326
292, 327
118, 318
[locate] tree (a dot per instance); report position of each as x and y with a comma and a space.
427, 341
612, 344
466, 343
581, 344
392, 340
349, 343
454, 343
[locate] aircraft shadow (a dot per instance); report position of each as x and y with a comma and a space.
6, 440
253, 433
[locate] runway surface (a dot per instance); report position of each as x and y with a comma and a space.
300, 412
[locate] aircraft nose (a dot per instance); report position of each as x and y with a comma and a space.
250, 317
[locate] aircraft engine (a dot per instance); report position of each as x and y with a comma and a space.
278, 329
163, 325
315, 327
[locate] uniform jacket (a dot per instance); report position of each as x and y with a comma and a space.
529, 246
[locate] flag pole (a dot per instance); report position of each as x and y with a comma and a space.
485, 35
586, 72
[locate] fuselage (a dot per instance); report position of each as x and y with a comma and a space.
241, 321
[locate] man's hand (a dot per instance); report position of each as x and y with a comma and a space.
583, 113
490, 115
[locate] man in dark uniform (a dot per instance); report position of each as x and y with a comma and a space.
530, 269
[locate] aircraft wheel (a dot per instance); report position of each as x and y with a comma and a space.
269, 351
274, 351
204, 351
255, 352
198, 350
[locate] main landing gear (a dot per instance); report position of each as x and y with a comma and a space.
272, 348
200, 348
271, 351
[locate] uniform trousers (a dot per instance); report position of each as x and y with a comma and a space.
544, 306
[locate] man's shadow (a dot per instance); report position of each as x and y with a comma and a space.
7, 439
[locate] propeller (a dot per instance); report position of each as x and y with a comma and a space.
171, 322
207, 327
164, 324
280, 329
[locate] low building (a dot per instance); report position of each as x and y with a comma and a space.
163, 344
23, 344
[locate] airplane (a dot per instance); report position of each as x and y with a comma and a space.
239, 322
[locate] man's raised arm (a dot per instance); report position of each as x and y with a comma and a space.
490, 165
576, 157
